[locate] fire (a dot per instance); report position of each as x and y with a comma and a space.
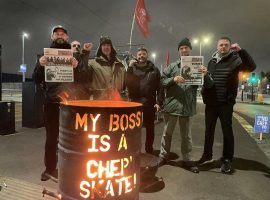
110, 156
115, 96
63, 96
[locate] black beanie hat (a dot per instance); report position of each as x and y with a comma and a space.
184, 42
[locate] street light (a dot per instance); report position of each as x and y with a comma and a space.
201, 41
243, 86
24, 35
154, 57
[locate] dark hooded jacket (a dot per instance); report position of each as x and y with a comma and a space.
222, 87
144, 85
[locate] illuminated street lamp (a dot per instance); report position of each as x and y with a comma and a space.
23, 66
154, 57
243, 86
200, 42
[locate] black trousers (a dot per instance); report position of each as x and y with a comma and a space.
148, 122
51, 112
224, 113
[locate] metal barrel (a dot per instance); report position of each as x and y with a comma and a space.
99, 147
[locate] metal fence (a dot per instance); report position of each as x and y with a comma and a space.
12, 91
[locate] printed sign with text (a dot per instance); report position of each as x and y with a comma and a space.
261, 124
59, 65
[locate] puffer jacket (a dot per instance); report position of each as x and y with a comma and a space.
180, 99
224, 73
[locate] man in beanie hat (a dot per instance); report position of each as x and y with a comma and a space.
184, 42
180, 105
107, 72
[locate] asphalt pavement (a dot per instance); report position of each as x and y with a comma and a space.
21, 163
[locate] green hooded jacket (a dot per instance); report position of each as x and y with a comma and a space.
180, 99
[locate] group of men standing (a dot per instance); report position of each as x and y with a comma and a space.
104, 75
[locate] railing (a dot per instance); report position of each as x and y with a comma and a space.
12, 91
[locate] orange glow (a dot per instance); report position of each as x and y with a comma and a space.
114, 125
115, 95
92, 189
63, 96
96, 147
82, 122
122, 143
124, 126
86, 193
103, 104
94, 120
124, 121
107, 169
104, 173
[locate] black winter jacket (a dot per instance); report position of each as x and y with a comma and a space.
224, 77
54, 89
144, 85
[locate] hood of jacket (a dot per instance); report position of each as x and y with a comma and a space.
100, 54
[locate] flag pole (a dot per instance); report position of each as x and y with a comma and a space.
131, 32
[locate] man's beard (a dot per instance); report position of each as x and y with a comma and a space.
60, 44
60, 41
143, 61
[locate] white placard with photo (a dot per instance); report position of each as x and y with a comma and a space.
59, 65
190, 66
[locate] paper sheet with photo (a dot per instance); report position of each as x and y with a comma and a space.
190, 66
59, 65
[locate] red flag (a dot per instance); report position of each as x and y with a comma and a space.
167, 59
142, 17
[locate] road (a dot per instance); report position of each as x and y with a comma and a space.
250, 110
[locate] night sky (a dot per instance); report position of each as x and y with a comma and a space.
246, 22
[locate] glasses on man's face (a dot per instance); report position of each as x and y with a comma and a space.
76, 45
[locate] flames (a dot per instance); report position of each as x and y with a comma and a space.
115, 96
64, 97
110, 164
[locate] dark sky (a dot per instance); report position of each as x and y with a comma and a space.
247, 22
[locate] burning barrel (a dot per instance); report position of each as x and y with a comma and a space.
99, 147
